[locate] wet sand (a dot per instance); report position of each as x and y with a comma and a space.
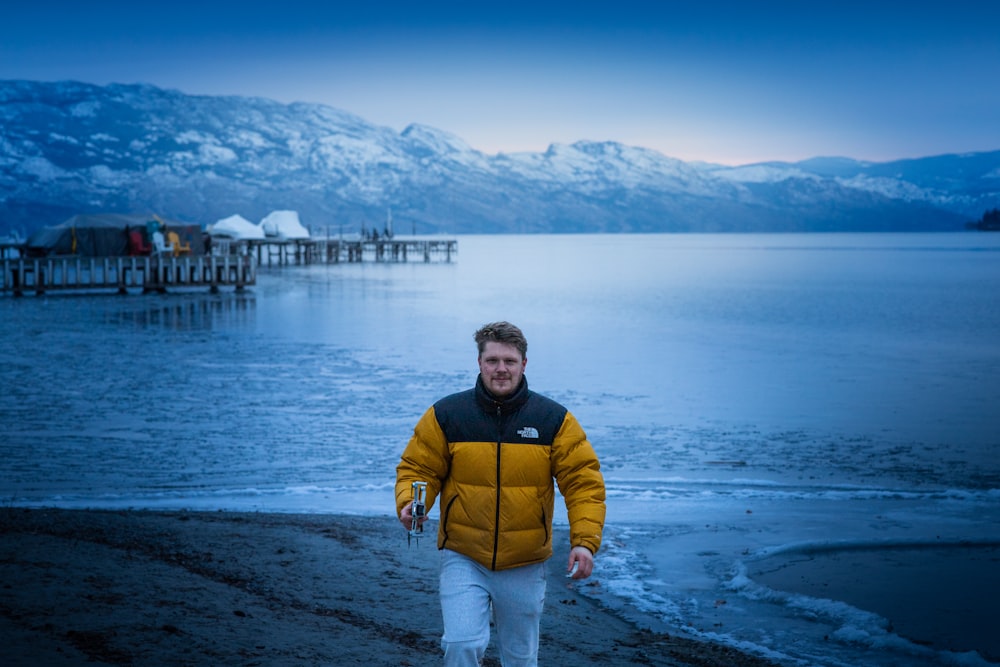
220, 588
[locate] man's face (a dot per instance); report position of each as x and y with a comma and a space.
501, 366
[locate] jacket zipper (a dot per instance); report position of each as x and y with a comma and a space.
496, 519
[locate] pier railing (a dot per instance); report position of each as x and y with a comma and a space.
230, 263
153, 273
336, 251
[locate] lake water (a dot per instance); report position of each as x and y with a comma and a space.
766, 408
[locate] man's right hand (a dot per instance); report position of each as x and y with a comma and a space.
406, 517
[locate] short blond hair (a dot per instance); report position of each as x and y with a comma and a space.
501, 332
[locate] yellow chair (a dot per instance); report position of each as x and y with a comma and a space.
175, 242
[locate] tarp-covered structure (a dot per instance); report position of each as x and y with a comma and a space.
238, 228
110, 235
284, 225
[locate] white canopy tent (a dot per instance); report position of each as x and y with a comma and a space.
238, 228
284, 225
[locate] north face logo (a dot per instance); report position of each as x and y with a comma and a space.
528, 432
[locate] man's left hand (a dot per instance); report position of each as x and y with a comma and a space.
583, 560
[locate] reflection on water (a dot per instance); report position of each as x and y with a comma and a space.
189, 311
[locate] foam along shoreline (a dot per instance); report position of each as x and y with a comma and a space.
942, 596
227, 588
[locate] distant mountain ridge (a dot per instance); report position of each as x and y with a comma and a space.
70, 147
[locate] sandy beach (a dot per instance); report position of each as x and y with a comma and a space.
222, 588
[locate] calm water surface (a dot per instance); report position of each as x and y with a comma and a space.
674, 350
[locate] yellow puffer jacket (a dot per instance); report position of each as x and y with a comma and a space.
492, 464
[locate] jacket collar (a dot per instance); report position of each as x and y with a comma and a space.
505, 405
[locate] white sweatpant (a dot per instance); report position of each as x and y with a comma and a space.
469, 590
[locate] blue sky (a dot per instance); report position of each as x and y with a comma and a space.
729, 82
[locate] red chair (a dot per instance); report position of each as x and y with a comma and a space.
137, 243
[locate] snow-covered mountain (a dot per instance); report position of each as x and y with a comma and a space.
68, 148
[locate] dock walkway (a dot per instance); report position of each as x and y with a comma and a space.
229, 264
151, 273
336, 251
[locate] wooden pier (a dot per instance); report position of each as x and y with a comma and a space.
149, 273
337, 251
229, 264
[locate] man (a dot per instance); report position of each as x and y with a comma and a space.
490, 454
